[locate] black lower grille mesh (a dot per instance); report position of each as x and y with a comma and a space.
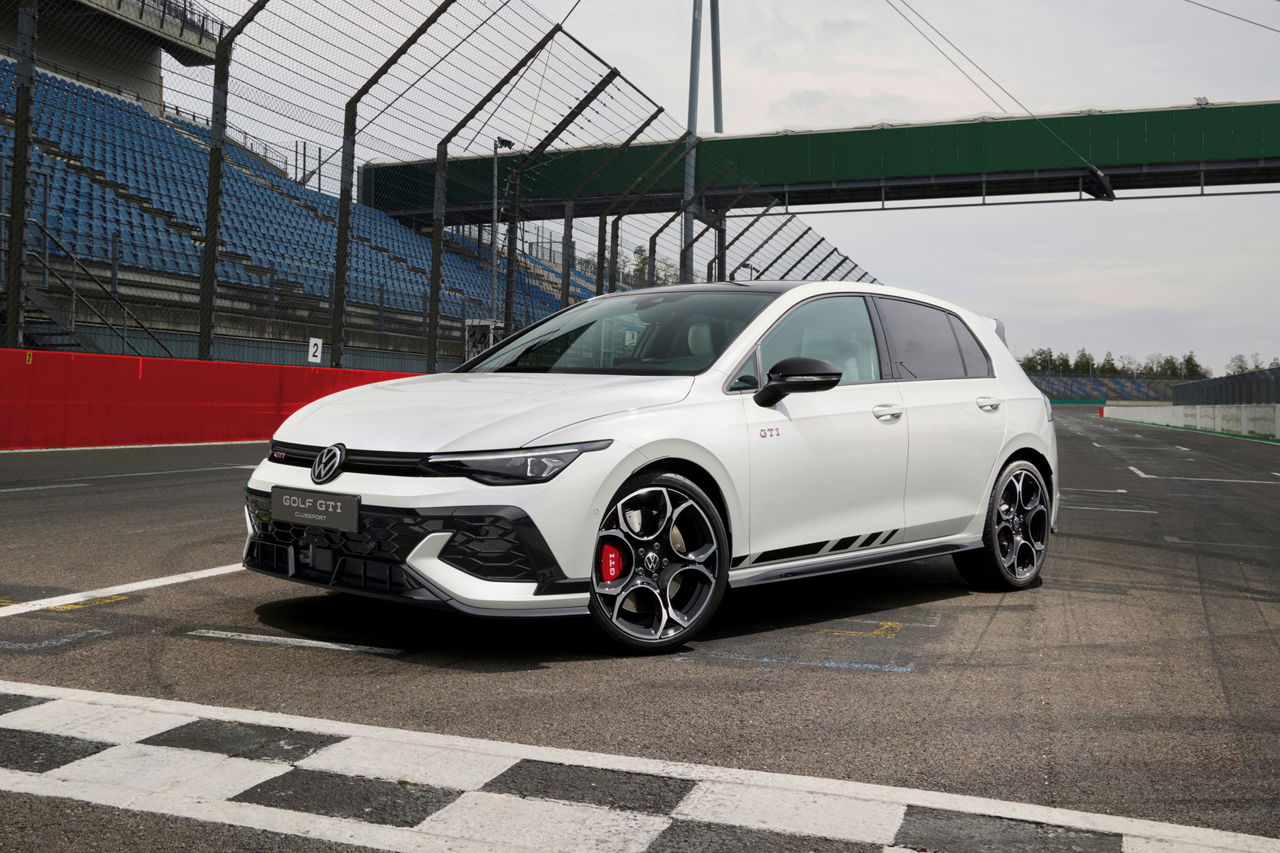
494, 543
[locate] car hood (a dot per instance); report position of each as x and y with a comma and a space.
471, 411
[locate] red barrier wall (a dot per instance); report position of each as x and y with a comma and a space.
61, 399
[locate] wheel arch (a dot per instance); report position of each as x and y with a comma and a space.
1040, 461
701, 477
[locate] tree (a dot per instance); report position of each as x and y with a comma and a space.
1170, 366
1128, 365
641, 268
1191, 367
1237, 364
1083, 362
1108, 365
1062, 363
1275, 362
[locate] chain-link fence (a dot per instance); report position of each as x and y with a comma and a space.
1256, 386
186, 171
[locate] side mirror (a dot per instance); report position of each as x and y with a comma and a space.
794, 376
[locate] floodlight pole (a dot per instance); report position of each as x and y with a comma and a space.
652, 272
716, 98
617, 220
513, 182
213, 189
566, 245
722, 248
792, 268
438, 208
27, 15
338, 303
763, 243
825, 258
691, 161
603, 225
778, 257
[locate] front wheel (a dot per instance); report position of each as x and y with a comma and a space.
661, 563
1016, 537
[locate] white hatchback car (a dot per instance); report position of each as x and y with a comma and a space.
634, 455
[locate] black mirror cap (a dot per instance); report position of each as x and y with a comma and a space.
797, 375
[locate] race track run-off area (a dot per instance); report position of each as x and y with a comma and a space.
154, 696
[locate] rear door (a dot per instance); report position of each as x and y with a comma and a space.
955, 415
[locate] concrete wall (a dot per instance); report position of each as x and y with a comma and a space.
1262, 419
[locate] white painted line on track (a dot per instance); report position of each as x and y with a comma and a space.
43, 488
295, 641
162, 473
1102, 491
1164, 836
1178, 541
1134, 447
1202, 479
1110, 509
135, 446
1180, 447
77, 597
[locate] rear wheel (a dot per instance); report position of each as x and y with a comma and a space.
661, 563
1016, 537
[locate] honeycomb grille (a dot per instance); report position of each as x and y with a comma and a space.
386, 536
490, 547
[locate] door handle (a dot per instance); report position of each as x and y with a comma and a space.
988, 404
887, 412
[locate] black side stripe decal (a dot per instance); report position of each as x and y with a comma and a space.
870, 540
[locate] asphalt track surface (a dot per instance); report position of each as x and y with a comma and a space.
1139, 679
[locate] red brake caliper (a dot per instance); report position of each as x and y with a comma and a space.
610, 563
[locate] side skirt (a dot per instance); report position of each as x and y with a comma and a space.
849, 562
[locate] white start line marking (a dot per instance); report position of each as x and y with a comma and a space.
76, 597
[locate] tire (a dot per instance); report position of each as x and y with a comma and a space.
661, 563
1015, 538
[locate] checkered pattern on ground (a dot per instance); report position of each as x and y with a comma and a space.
400, 790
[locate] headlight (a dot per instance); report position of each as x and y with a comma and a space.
509, 467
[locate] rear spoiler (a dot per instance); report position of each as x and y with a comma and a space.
998, 325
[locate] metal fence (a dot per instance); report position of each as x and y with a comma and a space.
220, 221
1256, 386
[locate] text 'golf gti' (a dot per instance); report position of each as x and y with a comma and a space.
636, 454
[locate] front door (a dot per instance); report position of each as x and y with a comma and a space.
827, 467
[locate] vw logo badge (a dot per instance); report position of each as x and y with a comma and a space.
328, 464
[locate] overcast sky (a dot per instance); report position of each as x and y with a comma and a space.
1134, 277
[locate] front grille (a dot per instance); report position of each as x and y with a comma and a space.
383, 535
357, 461
324, 567
491, 543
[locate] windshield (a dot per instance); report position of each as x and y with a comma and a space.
645, 333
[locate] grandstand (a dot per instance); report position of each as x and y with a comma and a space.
128, 131
1059, 387
122, 190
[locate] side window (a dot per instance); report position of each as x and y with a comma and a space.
975, 357
835, 329
921, 339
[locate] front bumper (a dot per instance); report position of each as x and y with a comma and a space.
485, 560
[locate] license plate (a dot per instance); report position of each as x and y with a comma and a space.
316, 509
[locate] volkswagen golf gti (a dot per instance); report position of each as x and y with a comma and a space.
633, 456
